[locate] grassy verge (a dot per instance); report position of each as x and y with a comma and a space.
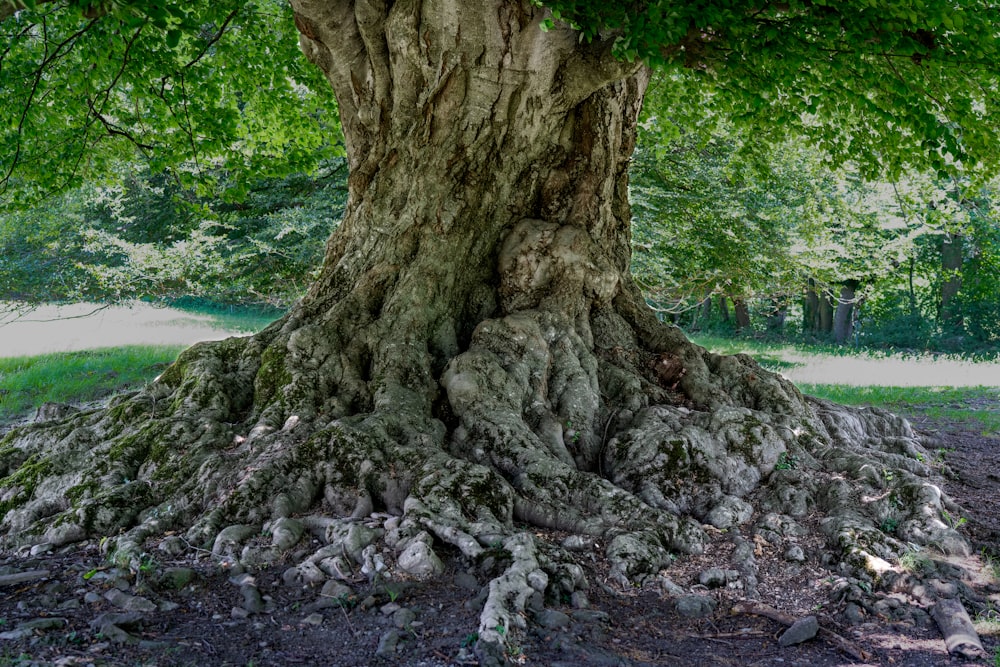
73, 377
974, 405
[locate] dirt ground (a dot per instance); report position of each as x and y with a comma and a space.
73, 608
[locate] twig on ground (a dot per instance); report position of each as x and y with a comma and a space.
829, 636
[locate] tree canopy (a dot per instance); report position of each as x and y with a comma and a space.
189, 85
893, 85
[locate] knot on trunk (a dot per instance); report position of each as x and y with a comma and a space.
547, 265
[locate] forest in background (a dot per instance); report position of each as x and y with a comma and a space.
731, 234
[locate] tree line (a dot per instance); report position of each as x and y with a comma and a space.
729, 234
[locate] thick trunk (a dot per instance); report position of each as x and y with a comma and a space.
810, 309
826, 312
843, 318
742, 314
952, 253
474, 355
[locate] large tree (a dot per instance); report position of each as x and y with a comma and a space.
474, 358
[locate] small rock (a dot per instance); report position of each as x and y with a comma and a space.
178, 577
168, 606
579, 600
668, 587
336, 590
291, 577
552, 619
252, 600
172, 546
802, 630
420, 561
390, 608
128, 602
578, 543
313, 619
239, 612
695, 606
41, 549
795, 554
387, 643
854, 614
731, 511
716, 577
403, 618
92, 597
467, 582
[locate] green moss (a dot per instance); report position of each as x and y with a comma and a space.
747, 445
26, 479
114, 509
132, 450
271, 376
82, 491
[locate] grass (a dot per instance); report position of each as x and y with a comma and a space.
959, 404
969, 404
73, 377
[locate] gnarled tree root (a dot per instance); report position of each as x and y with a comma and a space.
571, 425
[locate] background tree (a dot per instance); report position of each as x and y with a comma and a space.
474, 354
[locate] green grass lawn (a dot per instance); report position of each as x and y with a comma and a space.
74, 377
26, 382
978, 405
973, 405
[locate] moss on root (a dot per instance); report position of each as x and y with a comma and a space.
19, 487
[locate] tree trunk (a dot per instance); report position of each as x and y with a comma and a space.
810, 309
843, 318
826, 312
952, 253
724, 307
742, 314
473, 358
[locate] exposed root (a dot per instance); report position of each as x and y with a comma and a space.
542, 426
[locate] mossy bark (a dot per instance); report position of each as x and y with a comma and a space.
474, 356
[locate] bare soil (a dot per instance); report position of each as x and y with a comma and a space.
81, 620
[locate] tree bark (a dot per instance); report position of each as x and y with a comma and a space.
843, 322
826, 312
742, 314
473, 357
952, 253
810, 309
